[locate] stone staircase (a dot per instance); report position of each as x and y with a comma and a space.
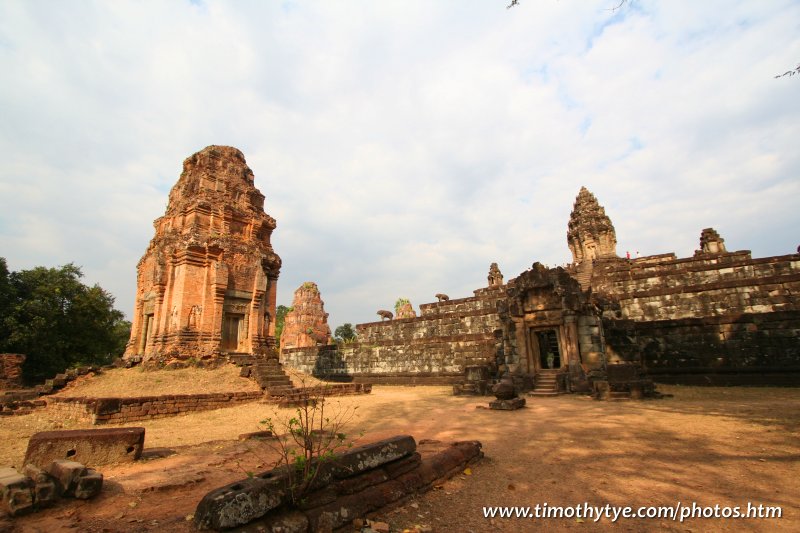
267, 372
545, 383
270, 376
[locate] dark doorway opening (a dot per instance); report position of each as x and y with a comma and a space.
549, 354
231, 324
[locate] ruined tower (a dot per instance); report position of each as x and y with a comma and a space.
206, 286
307, 323
591, 234
711, 243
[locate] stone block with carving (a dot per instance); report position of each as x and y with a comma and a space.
45, 492
90, 446
16, 492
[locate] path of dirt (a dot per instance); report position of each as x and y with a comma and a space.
706, 445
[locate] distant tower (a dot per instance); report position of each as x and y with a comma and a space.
711, 243
495, 276
307, 322
591, 234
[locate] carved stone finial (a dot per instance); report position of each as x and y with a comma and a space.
495, 276
590, 233
711, 242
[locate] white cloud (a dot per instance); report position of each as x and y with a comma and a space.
402, 146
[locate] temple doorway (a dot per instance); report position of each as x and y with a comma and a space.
231, 323
147, 330
549, 354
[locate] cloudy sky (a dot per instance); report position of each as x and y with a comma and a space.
402, 146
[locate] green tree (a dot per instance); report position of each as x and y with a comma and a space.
345, 333
6, 299
57, 321
280, 318
400, 303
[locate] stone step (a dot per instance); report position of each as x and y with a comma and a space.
543, 393
274, 379
280, 391
268, 373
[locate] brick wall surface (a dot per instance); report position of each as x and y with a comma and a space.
124, 410
431, 348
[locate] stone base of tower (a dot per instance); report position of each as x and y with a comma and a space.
191, 348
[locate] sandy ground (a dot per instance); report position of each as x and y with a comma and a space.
726, 446
128, 382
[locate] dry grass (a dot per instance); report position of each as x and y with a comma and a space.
707, 445
129, 382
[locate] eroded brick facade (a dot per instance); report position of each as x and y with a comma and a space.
206, 285
307, 323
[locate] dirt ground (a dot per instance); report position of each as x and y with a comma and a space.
128, 382
726, 446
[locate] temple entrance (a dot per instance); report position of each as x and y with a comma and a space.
146, 332
549, 354
231, 323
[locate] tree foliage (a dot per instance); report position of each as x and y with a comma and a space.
345, 333
280, 319
400, 303
310, 438
57, 321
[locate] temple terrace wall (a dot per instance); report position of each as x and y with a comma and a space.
713, 318
125, 410
431, 348
666, 288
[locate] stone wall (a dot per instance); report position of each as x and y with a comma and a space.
706, 285
11, 370
713, 318
125, 410
431, 348
724, 350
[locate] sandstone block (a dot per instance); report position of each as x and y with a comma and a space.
90, 446
16, 492
238, 503
507, 405
66, 475
368, 456
89, 485
45, 492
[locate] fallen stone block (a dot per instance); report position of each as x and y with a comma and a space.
507, 405
45, 492
89, 485
241, 502
91, 447
257, 435
16, 492
66, 475
369, 456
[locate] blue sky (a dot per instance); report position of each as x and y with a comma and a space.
401, 146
